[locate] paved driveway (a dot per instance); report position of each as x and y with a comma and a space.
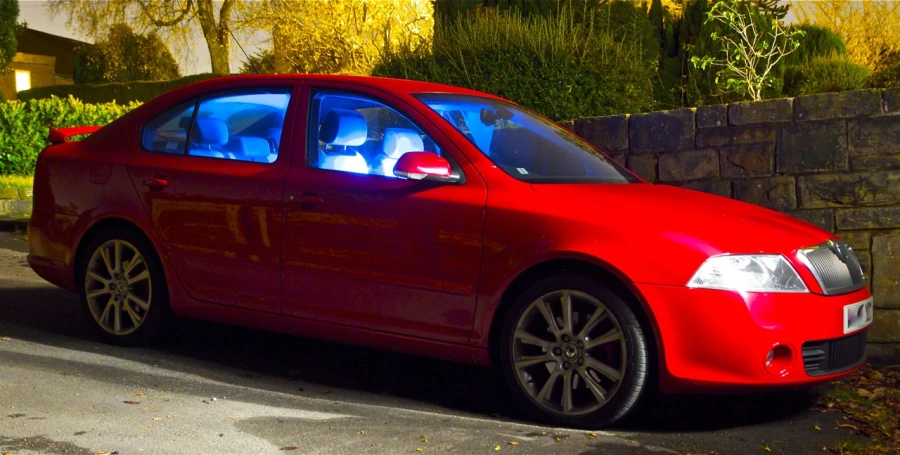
220, 390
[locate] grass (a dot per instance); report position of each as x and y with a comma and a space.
15, 181
870, 400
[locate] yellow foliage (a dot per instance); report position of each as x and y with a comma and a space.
342, 36
870, 28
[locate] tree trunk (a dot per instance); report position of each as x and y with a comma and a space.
216, 33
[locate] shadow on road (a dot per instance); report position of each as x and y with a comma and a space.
50, 316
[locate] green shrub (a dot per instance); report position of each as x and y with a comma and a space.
24, 126
556, 65
818, 42
824, 74
888, 75
119, 92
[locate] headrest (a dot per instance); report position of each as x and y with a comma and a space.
343, 127
249, 147
398, 141
209, 131
275, 135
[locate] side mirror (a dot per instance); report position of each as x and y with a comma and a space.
424, 166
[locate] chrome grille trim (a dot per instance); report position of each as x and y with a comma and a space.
835, 267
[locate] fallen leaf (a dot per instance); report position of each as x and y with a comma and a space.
847, 425
817, 427
767, 449
496, 448
864, 393
5, 339
7, 453
557, 439
419, 449
140, 394
324, 421
131, 402
170, 417
96, 347
513, 443
289, 448
591, 435
157, 418
76, 394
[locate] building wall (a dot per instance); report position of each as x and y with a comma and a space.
830, 159
42, 68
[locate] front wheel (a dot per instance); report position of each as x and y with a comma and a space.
574, 353
122, 287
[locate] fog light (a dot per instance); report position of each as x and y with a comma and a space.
778, 361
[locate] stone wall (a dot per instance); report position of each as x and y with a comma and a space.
15, 203
830, 159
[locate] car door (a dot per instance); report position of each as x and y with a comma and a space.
367, 249
211, 171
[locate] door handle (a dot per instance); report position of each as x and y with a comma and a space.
155, 183
306, 199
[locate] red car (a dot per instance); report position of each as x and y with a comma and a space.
441, 222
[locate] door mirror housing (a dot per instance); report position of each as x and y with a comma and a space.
424, 166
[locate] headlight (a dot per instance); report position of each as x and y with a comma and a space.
751, 273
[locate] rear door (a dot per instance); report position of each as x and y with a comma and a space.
210, 172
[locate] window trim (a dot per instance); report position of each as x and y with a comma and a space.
312, 138
289, 90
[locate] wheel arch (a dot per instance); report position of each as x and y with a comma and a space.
104, 225
604, 273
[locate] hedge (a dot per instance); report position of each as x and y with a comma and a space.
24, 126
825, 74
558, 66
118, 92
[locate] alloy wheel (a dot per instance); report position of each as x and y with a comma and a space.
118, 287
569, 352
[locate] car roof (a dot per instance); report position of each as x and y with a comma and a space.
385, 83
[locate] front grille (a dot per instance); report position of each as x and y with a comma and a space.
833, 356
835, 267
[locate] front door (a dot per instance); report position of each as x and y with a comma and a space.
211, 173
367, 249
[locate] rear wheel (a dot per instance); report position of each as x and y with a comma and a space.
122, 287
574, 353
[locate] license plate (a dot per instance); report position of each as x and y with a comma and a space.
858, 315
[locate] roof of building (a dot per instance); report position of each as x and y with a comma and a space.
41, 43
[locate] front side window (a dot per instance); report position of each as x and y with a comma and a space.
241, 125
525, 145
354, 133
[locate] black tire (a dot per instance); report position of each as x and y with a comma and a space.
632, 355
155, 317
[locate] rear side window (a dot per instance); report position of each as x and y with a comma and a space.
241, 125
167, 132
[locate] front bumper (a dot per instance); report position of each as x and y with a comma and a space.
712, 339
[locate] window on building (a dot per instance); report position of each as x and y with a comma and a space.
23, 80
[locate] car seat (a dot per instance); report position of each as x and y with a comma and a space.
342, 128
207, 137
397, 141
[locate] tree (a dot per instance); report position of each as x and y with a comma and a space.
9, 28
750, 51
123, 56
773, 9
174, 20
340, 36
869, 28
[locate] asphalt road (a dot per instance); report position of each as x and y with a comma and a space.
224, 390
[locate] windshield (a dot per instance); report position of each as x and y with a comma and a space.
523, 144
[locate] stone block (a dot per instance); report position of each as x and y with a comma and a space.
752, 160
886, 271
778, 193
892, 99
661, 131
711, 116
869, 218
807, 147
821, 218
644, 165
26, 193
865, 262
618, 157
731, 135
858, 240
769, 111
15, 207
691, 165
716, 187
823, 106
874, 136
609, 134
8, 192
874, 162
850, 189
886, 327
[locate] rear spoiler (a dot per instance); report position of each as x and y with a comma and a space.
59, 135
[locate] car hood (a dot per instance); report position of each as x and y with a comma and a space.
700, 221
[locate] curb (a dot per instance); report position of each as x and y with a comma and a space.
13, 224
